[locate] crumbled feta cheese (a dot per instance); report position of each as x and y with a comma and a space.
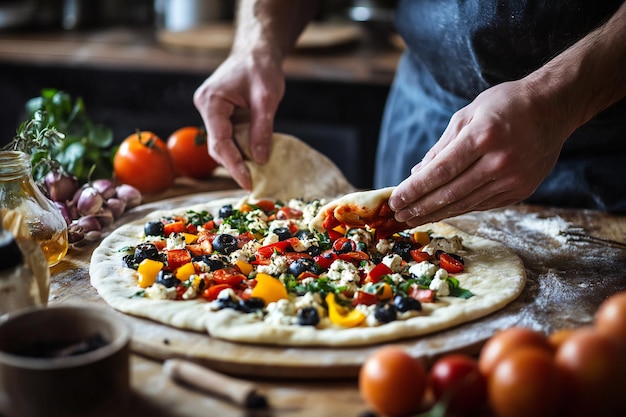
449, 245
345, 274
278, 265
383, 246
439, 284
281, 312
246, 252
423, 269
160, 292
393, 261
176, 241
360, 236
368, 311
190, 293
310, 300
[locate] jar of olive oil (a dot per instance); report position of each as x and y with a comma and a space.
22, 200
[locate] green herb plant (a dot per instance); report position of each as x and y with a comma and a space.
60, 135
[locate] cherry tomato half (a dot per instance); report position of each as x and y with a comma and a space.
143, 161
188, 147
457, 377
392, 382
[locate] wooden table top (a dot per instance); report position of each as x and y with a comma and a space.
567, 280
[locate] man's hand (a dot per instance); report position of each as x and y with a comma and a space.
249, 84
494, 152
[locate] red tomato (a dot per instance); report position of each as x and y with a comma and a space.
229, 275
610, 318
213, 291
365, 298
593, 372
418, 255
285, 213
450, 264
177, 258
188, 147
458, 376
392, 382
143, 161
525, 383
505, 342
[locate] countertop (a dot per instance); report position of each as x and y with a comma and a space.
124, 48
567, 280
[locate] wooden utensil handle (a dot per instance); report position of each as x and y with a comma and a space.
240, 392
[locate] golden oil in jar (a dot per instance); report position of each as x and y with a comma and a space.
22, 201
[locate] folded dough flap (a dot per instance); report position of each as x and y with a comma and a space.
294, 170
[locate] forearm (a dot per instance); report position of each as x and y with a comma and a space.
586, 78
271, 26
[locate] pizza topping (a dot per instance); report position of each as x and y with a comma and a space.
262, 259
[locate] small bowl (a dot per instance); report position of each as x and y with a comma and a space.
64, 361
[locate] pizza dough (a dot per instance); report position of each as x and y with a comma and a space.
493, 273
294, 170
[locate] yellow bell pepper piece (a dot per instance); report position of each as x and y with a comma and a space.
244, 267
337, 315
148, 270
185, 271
384, 291
340, 229
421, 238
190, 238
268, 288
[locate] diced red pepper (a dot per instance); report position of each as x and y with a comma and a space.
334, 235
307, 274
213, 291
377, 273
174, 227
267, 206
210, 225
365, 298
176, 258
450, 264
354, 257
330, 222
229, 275
326, 258
419, 255
268, 250
159, 244
286, 213
192, 228
421, 294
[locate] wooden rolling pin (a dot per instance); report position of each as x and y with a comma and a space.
242, 393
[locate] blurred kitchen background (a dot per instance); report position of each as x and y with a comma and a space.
136, 64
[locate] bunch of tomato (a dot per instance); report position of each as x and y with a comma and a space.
519, 372
150, 164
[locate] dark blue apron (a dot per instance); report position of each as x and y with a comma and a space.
456, 49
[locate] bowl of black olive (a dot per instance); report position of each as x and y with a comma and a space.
64, 361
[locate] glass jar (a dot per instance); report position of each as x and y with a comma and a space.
22, 201
24, 275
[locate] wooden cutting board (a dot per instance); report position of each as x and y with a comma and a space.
566, 283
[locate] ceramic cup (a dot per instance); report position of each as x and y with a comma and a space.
63, 361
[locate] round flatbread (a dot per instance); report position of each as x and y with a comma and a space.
494, 275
